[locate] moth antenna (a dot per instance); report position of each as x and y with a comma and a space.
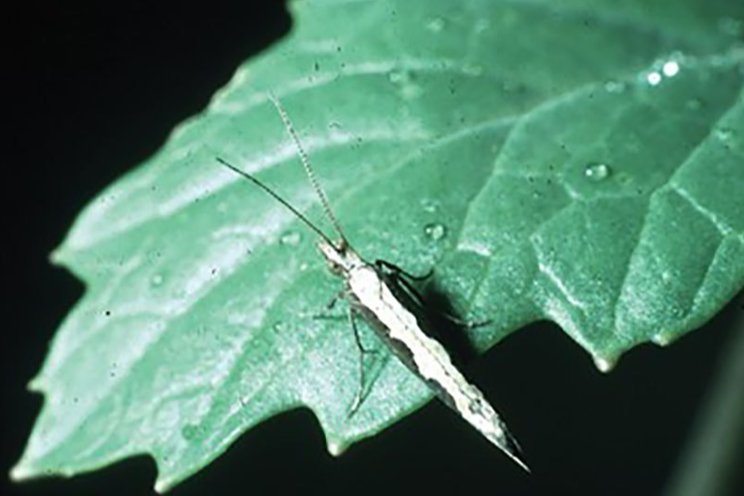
308, 168
278, 198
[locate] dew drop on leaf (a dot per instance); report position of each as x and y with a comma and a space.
694, 103
189, 431
429, 205
435, 231
724, 133
435, 25
404, 80
614, 87
653, 78
481, 25
597, 172
291, 238
670, 69
398, 76
473, 70
731, 27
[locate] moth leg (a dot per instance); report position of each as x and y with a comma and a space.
336, 297
359, 398
410, 289
383, 264
419, 299
330, 305
394, 272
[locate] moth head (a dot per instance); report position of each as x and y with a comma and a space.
336, 255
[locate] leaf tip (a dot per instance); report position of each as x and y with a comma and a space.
35, 385
57, 256
605, 364
20, 472
663, 339
336, 447
161, 486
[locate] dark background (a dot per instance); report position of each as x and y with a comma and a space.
94, 91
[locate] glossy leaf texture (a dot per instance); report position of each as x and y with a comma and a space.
579, 161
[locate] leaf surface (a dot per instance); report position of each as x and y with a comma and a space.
580, 162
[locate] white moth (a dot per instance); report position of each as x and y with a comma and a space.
387, 301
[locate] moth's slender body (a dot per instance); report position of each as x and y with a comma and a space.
392, 314
391, 309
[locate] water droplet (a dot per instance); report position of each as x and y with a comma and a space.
189, 431
723, 133
597, 172
430, 206
472, 70
511, 86
481, 25
663, 339
615, 87
677, 311
653, 78
719, 60
405, 81
694, 103
731, 27
670, 68
398, 76
435, 25
435, 231
291, 238
156, 280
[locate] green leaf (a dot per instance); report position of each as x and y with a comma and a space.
581, 162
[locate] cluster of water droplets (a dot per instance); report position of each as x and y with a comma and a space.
662, 69
597, 172
405, 82
435, 231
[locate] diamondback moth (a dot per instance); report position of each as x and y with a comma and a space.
384, 296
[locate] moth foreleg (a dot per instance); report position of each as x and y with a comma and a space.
336, 297
416, 296
330, 305
392, 268
359, 398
